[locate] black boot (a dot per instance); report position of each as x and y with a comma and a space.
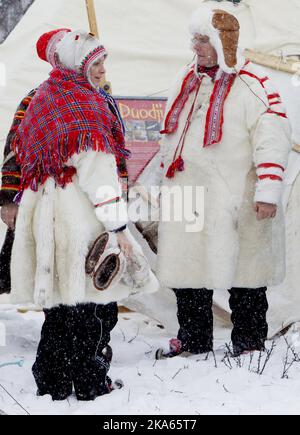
91, 354
52, 369
249, 309
195, 319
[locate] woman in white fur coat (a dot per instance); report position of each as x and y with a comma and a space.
67, 146
226, 131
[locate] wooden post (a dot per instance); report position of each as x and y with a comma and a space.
288, 65
296, 148
94, 30
92, 17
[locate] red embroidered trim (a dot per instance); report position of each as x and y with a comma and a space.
214, 124
271, 176
261, 81
272, 112
169, 128
110, 201
272, 96
91, 57
270, 165
214, 117
178, 163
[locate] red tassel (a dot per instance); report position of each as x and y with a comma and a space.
177, 165
171, 171
180, 164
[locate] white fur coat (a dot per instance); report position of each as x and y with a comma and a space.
232, 249
54, 230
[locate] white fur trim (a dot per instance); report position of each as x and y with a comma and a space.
144, 280
43, 219
52, 46
269, 191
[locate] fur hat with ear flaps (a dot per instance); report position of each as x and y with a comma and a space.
222, 29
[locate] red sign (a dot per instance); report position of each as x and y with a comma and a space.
143, 121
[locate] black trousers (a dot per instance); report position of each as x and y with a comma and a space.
74, 350
249, 308
195, 318
248, 315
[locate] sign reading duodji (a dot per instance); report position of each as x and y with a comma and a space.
143, 119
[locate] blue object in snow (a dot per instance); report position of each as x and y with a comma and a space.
19, 363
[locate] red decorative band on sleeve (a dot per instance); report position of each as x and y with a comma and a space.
272, 112
110, 201
270, 165
271, 176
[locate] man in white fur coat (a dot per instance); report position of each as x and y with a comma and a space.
67, 146
226, 130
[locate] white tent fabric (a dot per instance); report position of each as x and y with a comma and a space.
276, 26
145, 47
148, 42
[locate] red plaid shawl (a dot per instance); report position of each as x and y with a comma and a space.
66, 116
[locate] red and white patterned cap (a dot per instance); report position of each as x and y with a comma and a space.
47, 44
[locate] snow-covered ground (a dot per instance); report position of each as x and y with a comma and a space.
180, 386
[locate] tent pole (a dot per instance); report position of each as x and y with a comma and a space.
94, 30
296, 147
92, 17
275, 62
